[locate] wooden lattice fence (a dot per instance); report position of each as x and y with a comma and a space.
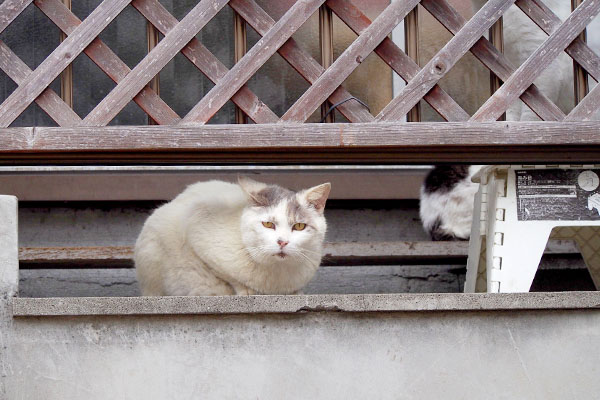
378, 137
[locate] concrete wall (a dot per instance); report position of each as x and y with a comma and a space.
456, 355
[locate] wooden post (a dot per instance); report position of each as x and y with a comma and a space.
497, 39
153, 39
411, 44
326, 43
580, 76
240, 48
66, 77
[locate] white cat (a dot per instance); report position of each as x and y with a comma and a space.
220, 238
447, 194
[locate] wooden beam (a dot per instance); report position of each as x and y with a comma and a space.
334, 254
122, 183
418, 143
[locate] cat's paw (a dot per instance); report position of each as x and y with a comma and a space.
241, 290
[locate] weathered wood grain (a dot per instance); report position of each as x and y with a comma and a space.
301, 61
549, 22
392, 55
338, 253
49, 100
348, 61
205, 61
9, 10
59, 59
498, 142
156, 59
587, 108
108, 62
444, 60
493, 59
252, 61
537, 62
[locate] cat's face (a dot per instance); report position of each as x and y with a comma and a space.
281, 226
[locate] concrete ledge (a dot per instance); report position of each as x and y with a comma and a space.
34, 307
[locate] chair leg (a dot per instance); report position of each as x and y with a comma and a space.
515, 257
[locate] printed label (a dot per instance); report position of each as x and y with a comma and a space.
558, 195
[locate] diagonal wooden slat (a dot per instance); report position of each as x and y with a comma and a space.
156, 59
205, 61
391, 54
108, 62
348, 61
587, 108
489, 55
9, 10
252, 61
60, 58
539, 60
549, 22
48, 101
301, 61
445, 59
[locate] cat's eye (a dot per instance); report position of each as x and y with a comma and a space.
298, 226
269, 225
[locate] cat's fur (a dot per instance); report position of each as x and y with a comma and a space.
210, 240
447, 194
446, 207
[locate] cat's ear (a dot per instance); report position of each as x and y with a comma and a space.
251, 188
317, 196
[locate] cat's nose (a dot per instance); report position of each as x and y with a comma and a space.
282, 243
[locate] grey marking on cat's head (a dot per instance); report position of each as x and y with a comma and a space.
272, 195
296, 212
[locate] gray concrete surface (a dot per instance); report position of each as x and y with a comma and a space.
278, 304
112, 282
326, 355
